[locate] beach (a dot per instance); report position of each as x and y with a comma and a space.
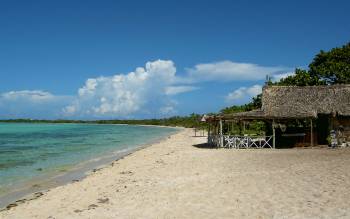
180, 177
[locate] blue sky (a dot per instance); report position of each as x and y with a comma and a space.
72, 59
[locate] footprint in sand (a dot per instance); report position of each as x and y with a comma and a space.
103, 200
92, 206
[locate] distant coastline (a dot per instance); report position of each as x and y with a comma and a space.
191, 121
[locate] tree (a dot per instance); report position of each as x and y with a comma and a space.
300, 78
234, 109
332, 67
256, 102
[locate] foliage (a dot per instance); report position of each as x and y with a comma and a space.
254, 104
253, 127
300, 78
333, 67
234, 109
191, 121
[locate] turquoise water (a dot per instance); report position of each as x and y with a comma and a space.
30, 151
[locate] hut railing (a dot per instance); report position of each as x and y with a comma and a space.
233, 141
214, 140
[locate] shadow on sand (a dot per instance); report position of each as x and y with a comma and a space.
204, 146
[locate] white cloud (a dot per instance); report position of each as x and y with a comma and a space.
243, 93
278, 77
232, 71
28, 95
31, 104
142, 91
254, 90
173, 90
145, 92
167, 110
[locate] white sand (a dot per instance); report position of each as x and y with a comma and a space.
174, 179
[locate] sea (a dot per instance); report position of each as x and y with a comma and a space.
35, 157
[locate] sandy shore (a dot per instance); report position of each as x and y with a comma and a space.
179, 178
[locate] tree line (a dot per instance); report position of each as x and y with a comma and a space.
190, 121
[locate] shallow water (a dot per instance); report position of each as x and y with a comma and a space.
34, 151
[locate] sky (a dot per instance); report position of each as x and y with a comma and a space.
151, 59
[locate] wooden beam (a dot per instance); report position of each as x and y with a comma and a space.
311, 133
209, 126
273, 134
232, 129
208, 132
221, 135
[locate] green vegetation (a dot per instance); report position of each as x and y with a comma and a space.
333, 67
190, 121
254, 104
327, 68
300, 78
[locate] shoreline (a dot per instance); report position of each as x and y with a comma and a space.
181, 177
78, 172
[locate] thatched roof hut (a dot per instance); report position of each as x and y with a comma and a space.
305, 102
295, 102
328, 105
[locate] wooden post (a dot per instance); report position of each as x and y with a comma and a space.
232, 129
221, 135
273, 134
311, 134
208, 133
240, 127
216, 132
208, 128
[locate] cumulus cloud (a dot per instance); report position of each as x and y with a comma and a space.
173, 90
243, 93
145, 92
141, 91
232, 71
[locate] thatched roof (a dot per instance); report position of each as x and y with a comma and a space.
292, 102
254, 114
307, 101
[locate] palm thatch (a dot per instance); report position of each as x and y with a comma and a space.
254, 114
304, 102
295, 102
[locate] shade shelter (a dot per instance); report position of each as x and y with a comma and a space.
320, 107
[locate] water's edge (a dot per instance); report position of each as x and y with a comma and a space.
77, 173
